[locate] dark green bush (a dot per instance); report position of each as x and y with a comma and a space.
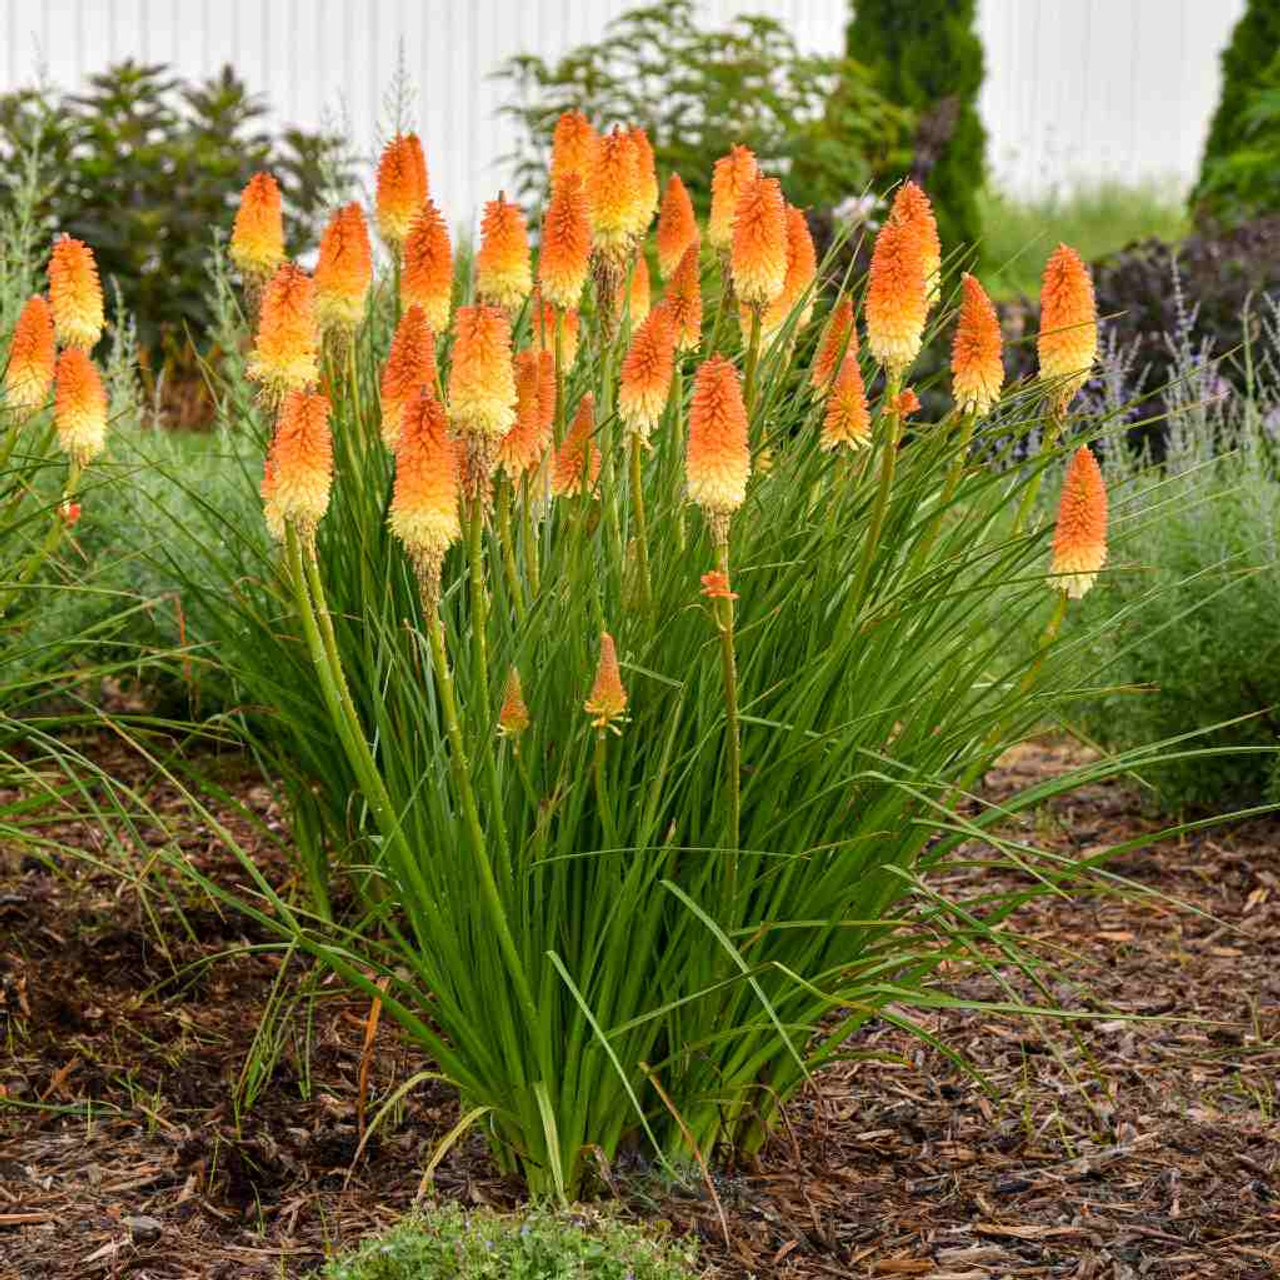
926, 55
815, 122
143, 165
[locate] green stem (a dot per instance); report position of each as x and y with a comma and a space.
507, 538
753, 360
560, 400
530, 534
677, 435
733, 769
887, 464
725, 301
642, 528
479, 603
608, 483
1032, 491
602, 791
952, 483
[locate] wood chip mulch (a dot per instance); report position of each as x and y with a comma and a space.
1101, 1149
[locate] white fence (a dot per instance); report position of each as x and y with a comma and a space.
1075, 90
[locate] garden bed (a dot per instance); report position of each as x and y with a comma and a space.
1105, 1147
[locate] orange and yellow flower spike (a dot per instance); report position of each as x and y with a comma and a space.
977, 373
301, 463
912, 208
640, 291
677, 227
897, 298
521, 449
344, 270
731, 177
607, 704
759, 256
566, 244
75, 294
839, 339
411, 366
647, 204
427, 278
802, 270
615, 195
1080, 538
1068, 343
482, 386
28, 374
684, 301
847, 420
80, 407
513, 715
503, 274
647, 370
718, 462
284, 352
576, 465
573, 148
402, 189
424, 500
257, 236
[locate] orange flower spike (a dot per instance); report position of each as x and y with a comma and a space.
482, 385
1068, 343
284, 353
839, 339
848, 420
614, 194
573, 147
717, 463
977, 373
1080, 538
80, 407
802, 270
647, 370
401, 189
566, 244
28, 373
647, 205
677, 227
411, 365
503, 275
424, 499
427, 278
344, 270
546, 398
730, 178
513, 716
897, 298
577, 462
75, 294
684, 301
302, 456
257, 236
912, 208
759, 256
521, 448
607, 704
640, 291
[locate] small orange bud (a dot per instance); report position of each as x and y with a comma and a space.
80, 407
645, 382
302, 461
257, 237
897, 297
847, 420
759, 256
503, 276
411, 366
905, 403
639, 291
731, 177
1068, 343
284, 353
573, 147
977, 373
1080, 538
28, 373
513, 716
577, 462
717, 462
912, 209
75, 294
715, 586
677, 227
402, 188
839, 338
684, 301
482, 386
427, 278
607, 704
344, 270
566, 244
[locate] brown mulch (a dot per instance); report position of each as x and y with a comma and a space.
1104, 1149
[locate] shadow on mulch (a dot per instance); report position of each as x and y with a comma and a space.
1103, 1149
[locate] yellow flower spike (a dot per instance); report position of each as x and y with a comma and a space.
912, 208
647, 203
75, 294
607, 704
257, 236
573, 147
717, 461
802, 269
897, 298
503, 274
482, 385
402, 188
977, 373
577, 461
640, 291
270, 507
732, 175
344, 270
677, 227
427, 277
28, 376
839, 339
847, 420
566, 244
284, 352
684, 301
301, 459
1080, 538
521, 449
1068, 342
424, 499
80, 407
411, 365
513, 715
759, 256
647, 370
615, 195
